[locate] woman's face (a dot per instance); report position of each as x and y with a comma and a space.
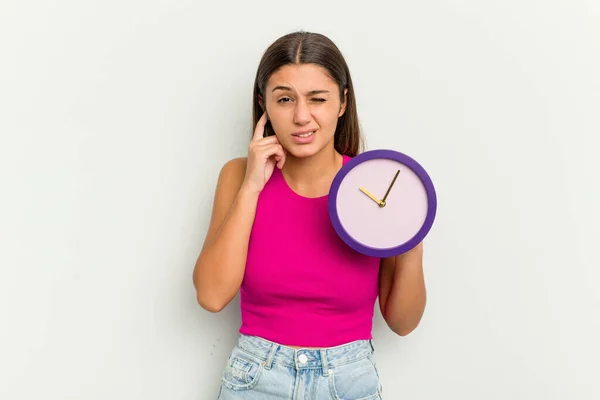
303, 105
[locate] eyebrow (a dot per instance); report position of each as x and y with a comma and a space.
312, 92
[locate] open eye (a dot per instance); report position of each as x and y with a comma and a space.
284, 100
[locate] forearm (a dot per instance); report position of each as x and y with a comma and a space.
220, 267
406, 302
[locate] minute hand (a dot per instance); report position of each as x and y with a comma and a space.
390, 188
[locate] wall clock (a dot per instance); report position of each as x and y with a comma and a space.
382, 203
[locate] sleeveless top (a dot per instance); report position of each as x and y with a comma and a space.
303, 286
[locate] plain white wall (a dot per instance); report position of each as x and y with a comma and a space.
116, 117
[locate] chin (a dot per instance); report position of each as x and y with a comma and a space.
303, 151
307, 150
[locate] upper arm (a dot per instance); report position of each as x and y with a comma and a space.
229, 182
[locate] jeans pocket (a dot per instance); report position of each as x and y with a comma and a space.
358, 380
242, 371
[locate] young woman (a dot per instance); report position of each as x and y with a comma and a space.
307, 299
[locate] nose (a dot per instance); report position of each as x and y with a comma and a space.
301, 113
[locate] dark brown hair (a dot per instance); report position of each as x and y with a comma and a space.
312, 48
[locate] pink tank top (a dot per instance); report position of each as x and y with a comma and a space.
303, 286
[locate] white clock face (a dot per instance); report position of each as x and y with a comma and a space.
371, 225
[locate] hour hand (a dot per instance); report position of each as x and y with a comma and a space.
365, 191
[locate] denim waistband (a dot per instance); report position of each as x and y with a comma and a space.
300, 358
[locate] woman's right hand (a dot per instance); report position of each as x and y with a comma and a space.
263, 154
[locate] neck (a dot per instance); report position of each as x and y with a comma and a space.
312, 175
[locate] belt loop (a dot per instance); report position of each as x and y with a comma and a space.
371, 343
324, 363
272, 352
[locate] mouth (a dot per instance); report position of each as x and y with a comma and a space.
304, 135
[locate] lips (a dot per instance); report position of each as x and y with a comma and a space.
304, 135
303, 132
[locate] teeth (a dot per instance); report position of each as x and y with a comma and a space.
305, 135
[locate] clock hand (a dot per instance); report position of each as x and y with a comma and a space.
390, 188
375, 199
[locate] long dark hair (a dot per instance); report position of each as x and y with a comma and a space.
312, 48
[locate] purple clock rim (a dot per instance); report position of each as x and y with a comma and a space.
418, 170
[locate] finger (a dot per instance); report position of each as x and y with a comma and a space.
279, 156
270, 150
260, 127
263, 145
281, 161
274, 151
267, 141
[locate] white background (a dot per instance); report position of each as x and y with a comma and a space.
116, 116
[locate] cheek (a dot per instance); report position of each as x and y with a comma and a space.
328, 116
277, 116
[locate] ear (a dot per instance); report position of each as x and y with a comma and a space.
261, 102
344, 103
262, 105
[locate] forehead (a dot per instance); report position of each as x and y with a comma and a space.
303, 77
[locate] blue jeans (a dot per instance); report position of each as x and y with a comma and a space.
258, 369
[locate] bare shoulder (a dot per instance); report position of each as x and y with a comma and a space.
235, 166
233, 172
230, 180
